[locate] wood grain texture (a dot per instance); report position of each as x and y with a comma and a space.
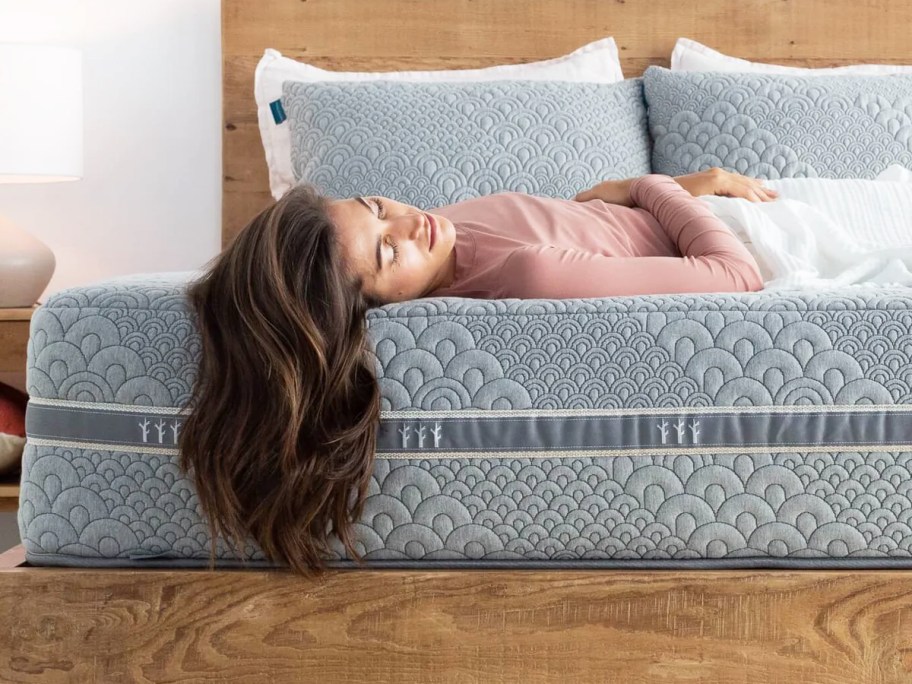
448, 626
347, 35
537, 29
17, 314
13, 345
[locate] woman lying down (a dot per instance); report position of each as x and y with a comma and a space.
286, 405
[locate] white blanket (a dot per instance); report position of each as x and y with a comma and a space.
827, 233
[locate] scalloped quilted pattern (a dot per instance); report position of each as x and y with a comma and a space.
131, 340
114, 504
777, 126
434, 144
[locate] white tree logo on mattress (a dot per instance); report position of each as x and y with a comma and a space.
160, 429
406, 432
680, 427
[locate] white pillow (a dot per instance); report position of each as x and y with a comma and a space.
895, 173
596, 62
689, 55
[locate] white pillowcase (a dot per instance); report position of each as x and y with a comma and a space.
689, 55
596, 62
895, 173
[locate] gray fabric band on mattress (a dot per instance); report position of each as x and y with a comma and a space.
680, 430
174, 560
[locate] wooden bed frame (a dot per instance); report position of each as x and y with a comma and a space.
123, 625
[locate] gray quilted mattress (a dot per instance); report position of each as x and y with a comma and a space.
722, 430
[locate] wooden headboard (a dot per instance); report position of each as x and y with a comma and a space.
384, 35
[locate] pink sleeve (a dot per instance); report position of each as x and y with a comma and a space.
714, 260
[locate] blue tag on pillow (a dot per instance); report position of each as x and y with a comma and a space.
278, 111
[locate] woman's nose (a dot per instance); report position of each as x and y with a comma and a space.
413, 224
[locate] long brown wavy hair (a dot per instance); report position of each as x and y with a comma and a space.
281, 433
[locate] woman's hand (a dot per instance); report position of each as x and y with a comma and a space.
716, 181
610, 191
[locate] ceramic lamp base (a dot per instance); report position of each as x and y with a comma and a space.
26, 266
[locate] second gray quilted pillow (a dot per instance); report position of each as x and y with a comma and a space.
777, 126
432, 144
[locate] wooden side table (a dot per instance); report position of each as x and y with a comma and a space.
14, 333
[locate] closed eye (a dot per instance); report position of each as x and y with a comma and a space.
381, 214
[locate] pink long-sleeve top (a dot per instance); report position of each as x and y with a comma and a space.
516, 245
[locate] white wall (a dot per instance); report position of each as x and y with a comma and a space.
150, 196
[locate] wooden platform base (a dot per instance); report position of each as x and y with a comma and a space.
73, 625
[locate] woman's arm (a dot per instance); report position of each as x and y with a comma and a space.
714, 259
714, 181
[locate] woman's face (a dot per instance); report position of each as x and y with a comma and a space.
408, 266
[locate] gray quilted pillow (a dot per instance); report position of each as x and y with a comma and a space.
432, 144
778, 126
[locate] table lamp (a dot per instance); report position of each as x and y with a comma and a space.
40, 142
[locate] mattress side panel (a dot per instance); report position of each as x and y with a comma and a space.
102, 359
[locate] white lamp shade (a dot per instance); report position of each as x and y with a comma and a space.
40, 113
